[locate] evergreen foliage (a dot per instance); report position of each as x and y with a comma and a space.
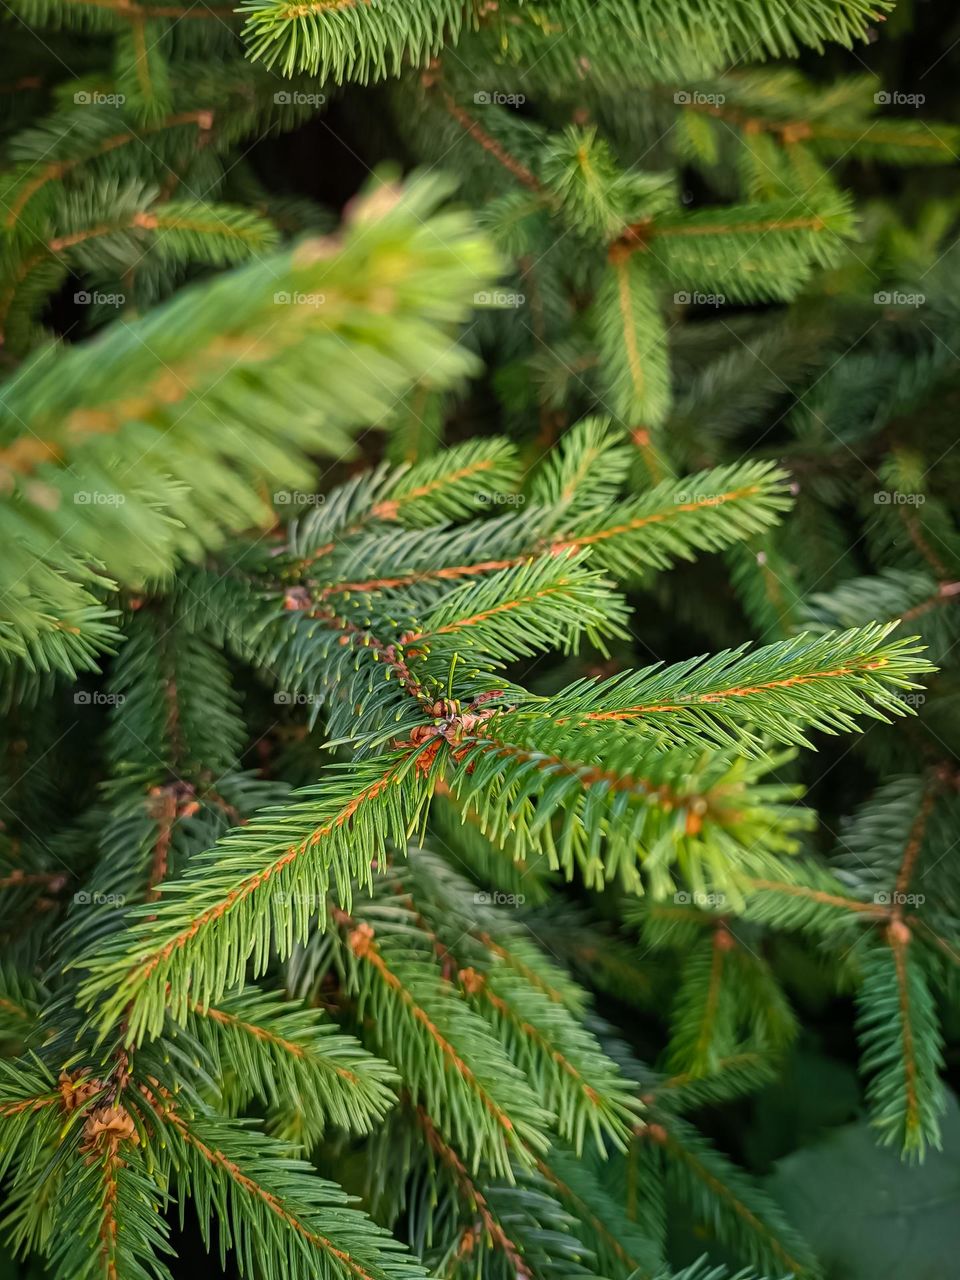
377, 775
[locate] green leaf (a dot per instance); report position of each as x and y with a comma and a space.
874, 1217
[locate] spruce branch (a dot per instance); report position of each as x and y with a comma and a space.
308, 1074
577, 1083
460, 1062
726, 1202
274, 1212
345, 39
621, 802
98, 412
901, 1043
622, 1248
125, 1235
468, 1189
732, 696
206, 926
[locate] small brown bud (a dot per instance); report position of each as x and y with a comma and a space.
899, 933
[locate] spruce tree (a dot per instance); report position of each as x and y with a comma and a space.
391, 882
